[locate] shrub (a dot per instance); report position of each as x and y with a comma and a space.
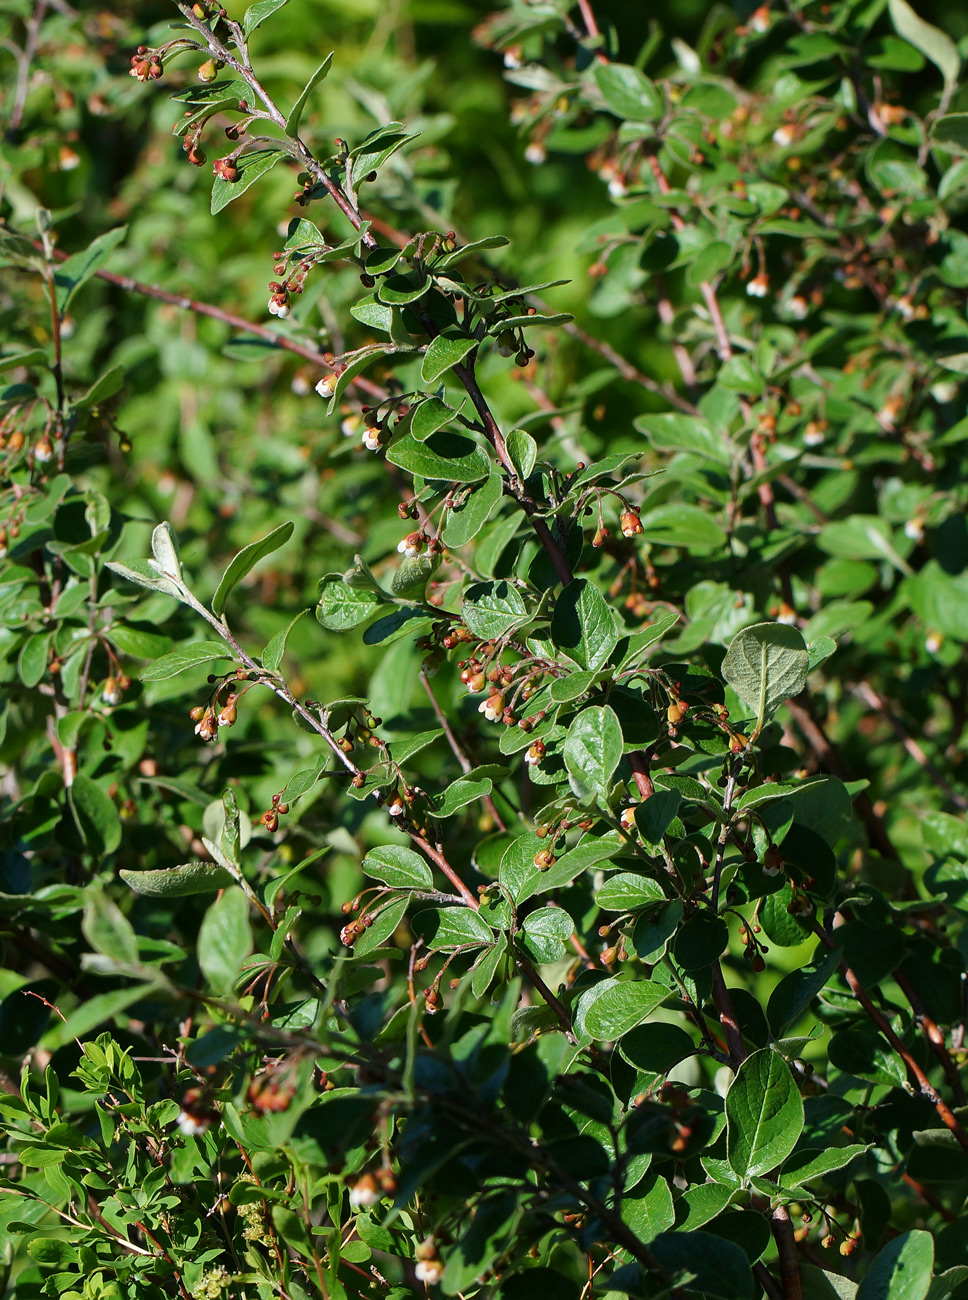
492, 824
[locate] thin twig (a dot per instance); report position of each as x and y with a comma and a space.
924, 1085
866, 692
786, 1249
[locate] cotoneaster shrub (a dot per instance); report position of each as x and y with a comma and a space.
484, 605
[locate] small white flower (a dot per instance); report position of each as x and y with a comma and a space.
798, 307
192, 1125
914, 528
371, 438
68, 159
350, 427
785, 135
535, 153
628, 819
945, 390
933, 642
535, 754
429, 1271
364, 1193
813, 435
904, 307
760, 20
617, 188
326, 386
759, 286
786, 615
772, 871
395, 809
512, 57
300, 385
111, 695
3, 552
43, 452
411, 545
492, 707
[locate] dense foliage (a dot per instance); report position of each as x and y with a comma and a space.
483, 732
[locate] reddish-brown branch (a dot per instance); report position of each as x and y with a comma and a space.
439, 860
877, 702
925, 1087
933, 1034
727, 1017
786, 1249
829, 756
465, 762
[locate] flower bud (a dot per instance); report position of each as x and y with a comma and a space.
226, 169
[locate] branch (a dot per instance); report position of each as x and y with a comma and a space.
786, 1249
924, 1085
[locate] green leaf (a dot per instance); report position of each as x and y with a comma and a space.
465, 790
225, 939
138, 642
250, 167
466, 519
627, 92
682, 525
108, 930
490, 609
32, 660
452, 927
431, 414
582, 624
445, 351
545, 933
700, 941
296, 112
102, 388
808, 1164
931, 41
34, 357
256, 14
654, 816
450, 457
138, 571
703, 1203
342, 607
176, 882
686, 433
626, 892
164, 549
183, 658
52, 1252
902, 1269
612, 1007
764, 1115
592, 751
378, 146
245, 562
276, 647
649, 1209
77, 270
398, 867
765, 665
796, 991
951, 133
387, 920
95, 814
477, 246
720, 1267
523, 451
